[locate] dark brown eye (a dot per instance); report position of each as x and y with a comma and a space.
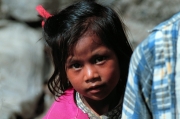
76, 66
100, 59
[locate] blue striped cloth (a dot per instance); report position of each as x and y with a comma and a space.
150, 90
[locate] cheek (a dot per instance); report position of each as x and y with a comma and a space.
111, 72
113, 75
73, 78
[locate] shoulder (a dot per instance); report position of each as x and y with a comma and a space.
161, 39
158, 47
168, 28
165, 32
65, 107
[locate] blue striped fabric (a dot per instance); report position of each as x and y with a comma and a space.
150, 90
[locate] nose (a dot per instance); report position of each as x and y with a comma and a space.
91, 73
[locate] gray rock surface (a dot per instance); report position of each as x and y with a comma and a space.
142, 15
21, 69
24, 10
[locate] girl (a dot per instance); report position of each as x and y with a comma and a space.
91, 56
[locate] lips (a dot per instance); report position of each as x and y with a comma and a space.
96, 88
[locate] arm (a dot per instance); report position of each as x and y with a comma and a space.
136, 103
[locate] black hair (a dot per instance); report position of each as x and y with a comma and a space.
63, 30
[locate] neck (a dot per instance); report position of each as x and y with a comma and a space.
102, 106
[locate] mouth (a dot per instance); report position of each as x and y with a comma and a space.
96, 88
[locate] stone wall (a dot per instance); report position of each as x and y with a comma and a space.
24, 65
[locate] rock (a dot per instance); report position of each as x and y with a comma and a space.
142, 15
24, 10
21, 69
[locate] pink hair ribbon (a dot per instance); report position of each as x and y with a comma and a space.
43, 13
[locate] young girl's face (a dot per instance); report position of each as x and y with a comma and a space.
92, 69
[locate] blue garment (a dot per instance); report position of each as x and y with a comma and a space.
150, 90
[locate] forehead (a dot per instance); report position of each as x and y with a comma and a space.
89, 39
85, 41
87, 47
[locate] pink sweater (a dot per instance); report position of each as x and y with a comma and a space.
65, 108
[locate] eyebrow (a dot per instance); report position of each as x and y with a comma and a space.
71, 58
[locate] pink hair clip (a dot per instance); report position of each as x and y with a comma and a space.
43, 13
